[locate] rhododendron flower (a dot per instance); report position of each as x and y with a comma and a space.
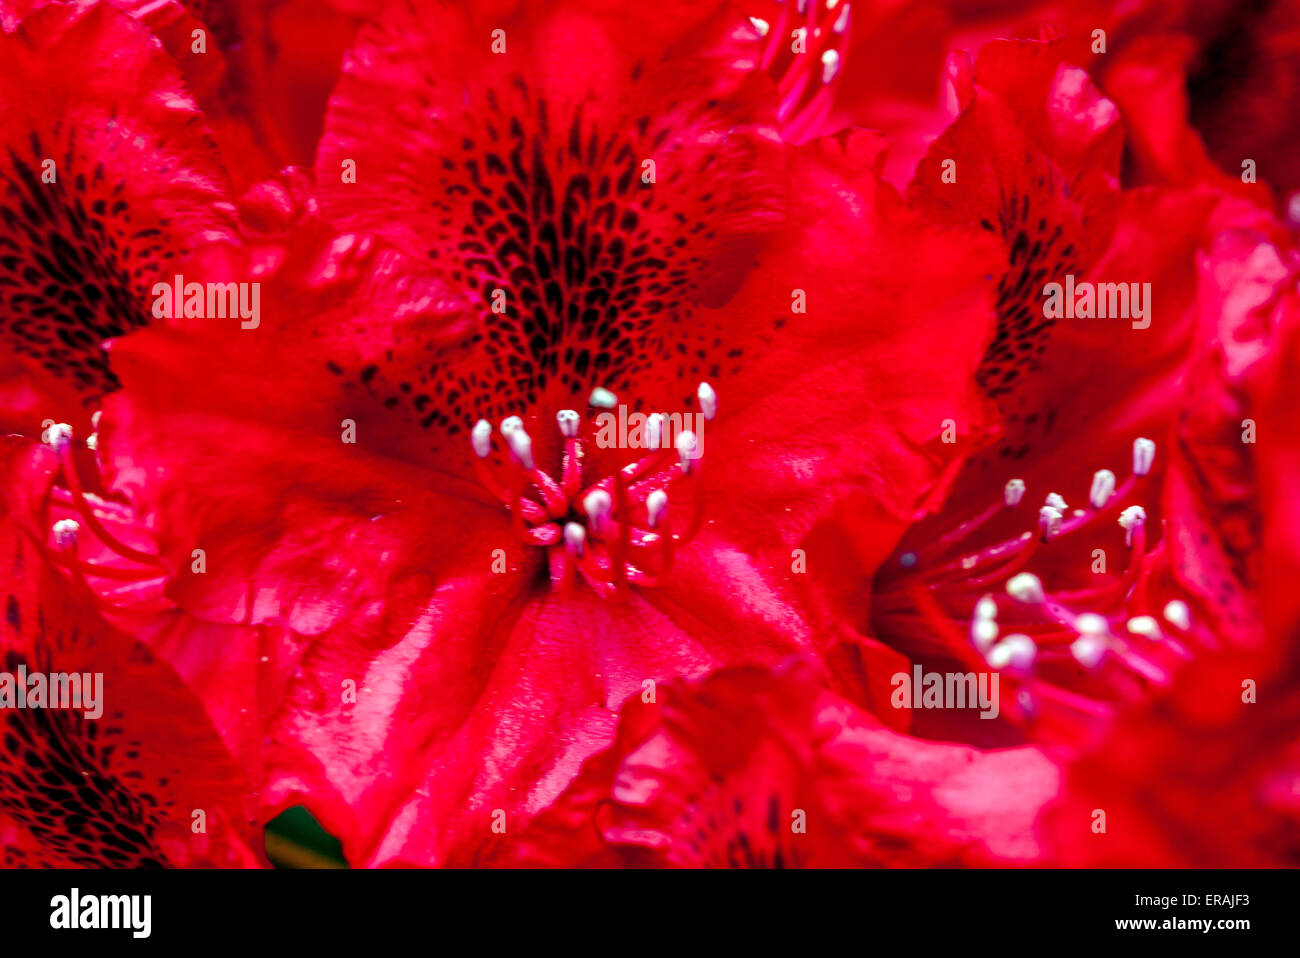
1058, 552
126, 769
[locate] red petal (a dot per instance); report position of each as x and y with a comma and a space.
136, 183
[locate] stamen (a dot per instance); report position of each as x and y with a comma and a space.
1015, 651
575, 538
568, 421
656, 504
1089, 623
1013, 492
1088, 650
760, 26
1178, 615
830, 65
58, 436
480, 438
1144, 454
983, 633
1131, 520
842, 23
1144, 625
1049, 522
1056, 502
597, 505
1103, 487
654, 431
65, 534
521, 445
1026, 587
602, 398
708, 401
686, 445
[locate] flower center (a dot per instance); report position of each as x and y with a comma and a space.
614, 530
1080, 648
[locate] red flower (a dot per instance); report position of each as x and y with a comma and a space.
753, 768
131, 772
1049, 560
492, 611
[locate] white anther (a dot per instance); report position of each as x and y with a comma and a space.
1103, 487
94, 419
521, 446
1017, 651
654, 431
1013, 492
1088, 650
983, 632
656, 504
480, 437
58, 436
830, 65
986, 608
1026, 587
597, 505
1049, 522
92, 441
1144, 625
760, 26
708, 400
1056, 502
510, 424
1132, 519
65, 533
1178, 614
568, 421
575, 537
1090, 623
687, 445
602, 398
842, 23
1144, 453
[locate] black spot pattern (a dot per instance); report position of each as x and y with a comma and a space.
600, 270
75, 268
56, 767
723, 830
1039, 251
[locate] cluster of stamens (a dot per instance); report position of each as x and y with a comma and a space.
83, 523
806, 80
1038, 637
616, 531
